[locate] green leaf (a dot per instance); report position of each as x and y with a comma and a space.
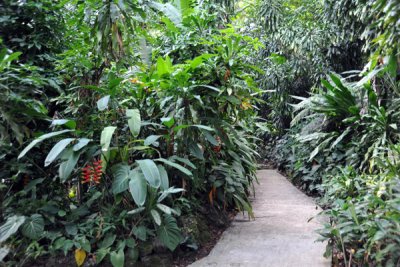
102, 103
196, 151
121, 173
163, 177
169, 233
136, 211
117, 258
150, 171
105, 138
10, 227
140, 232
138, 188
164, 208
82, 142
107, 241
169, 122
40, 139
211, 138
56, 150
68, 162
33, 227
150, 140
101, 254
167, 192
134, 121
184, 161
175, 165
71, 124
156, 216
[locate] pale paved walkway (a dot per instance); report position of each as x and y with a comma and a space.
280, 236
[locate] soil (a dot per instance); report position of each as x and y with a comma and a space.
215, 234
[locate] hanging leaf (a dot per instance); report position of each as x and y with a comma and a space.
56, 150
121, 173
169, 233
150, 171
163, 177
134, 121
68, 162
105, 138
40, 139
10, 227
82, 142
102, 103
33, 227
138, 188
80, 256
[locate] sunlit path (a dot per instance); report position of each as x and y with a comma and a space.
279, 236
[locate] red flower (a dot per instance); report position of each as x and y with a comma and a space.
92, 173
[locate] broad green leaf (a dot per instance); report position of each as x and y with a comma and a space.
107, 241
117, 258
169, 122
150, 171
56, 150
68, 162
163, 177
164, 208
121, 173
71, 124
150, 140
82, 142
102, 103
140, 232
33, 227
169, 233
138, 188
167, 192
10, 227
175, 165
105, 138
101, 253
134, 121
156, 216
40, 139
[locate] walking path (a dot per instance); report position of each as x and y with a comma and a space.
280, 236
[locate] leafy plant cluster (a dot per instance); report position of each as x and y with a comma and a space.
342, 143
151, 120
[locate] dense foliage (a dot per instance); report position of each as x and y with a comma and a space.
149, 120
127, 126
343, 140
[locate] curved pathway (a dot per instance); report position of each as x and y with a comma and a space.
280, 236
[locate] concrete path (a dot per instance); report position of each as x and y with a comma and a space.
280, 236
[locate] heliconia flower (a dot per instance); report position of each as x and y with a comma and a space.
92, 173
